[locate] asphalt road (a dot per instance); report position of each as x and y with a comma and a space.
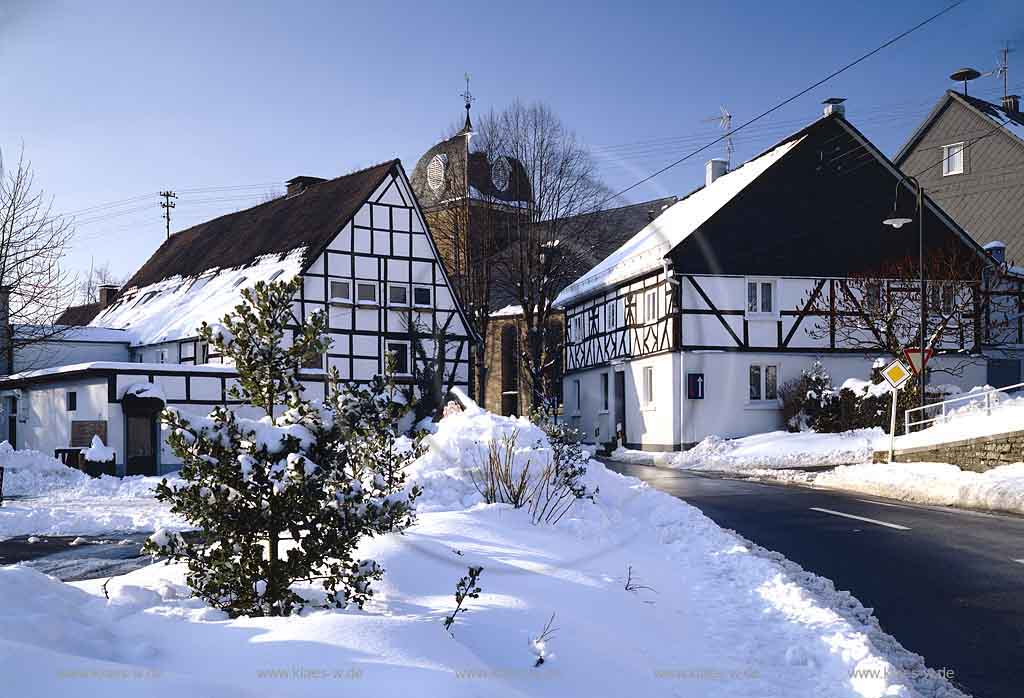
948, 584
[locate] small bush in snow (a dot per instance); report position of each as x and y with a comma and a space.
539, 644
468, 587
300, 477
502, 476
561, 482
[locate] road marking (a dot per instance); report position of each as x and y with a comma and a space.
860, 518
884, 504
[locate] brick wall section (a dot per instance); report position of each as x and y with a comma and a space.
978, 455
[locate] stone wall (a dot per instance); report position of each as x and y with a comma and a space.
978, 454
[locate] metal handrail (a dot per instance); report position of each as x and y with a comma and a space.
985, 396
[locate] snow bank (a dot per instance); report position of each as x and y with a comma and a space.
776, 449
970, 420
942, 484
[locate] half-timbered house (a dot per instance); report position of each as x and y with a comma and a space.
691, 327
366, 259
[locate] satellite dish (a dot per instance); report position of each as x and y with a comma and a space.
965, 75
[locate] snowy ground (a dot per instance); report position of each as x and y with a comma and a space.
721, 616
776, 449
52, 499
969, 419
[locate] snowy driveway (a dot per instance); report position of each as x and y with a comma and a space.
945, 583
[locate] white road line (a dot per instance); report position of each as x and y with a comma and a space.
861, 518
884, 504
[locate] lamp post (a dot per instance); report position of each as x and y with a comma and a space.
897, 223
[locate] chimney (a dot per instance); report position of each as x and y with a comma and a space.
997, 250
834, 105
715, 168
1011, 104
297, 185
108, 293
6, 345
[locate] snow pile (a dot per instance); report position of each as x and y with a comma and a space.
862, 388
968, 419
146, 390
776, 449
32, 473
941, 484
98, 452
722, 617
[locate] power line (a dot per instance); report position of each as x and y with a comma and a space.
796, 96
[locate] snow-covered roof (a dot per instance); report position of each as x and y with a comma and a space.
68, 333
993, 245
175, 307
119, 365
508, 311
643, 252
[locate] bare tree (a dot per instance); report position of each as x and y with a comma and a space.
89, 285
542, 244
33, 243
970, 304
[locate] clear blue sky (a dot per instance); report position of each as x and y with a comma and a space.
116, 100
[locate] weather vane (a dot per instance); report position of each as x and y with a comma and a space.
469, 99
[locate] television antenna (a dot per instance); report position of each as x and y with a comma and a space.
1003, 69
724, 120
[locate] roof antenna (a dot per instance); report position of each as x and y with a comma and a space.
1003, 69
965, 75
725, 123
468, 97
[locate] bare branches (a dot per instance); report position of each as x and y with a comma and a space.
88, 287
33, 243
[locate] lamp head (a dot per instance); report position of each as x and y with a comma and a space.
897, 223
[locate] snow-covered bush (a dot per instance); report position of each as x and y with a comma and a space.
287, 497
805, 397
98, 459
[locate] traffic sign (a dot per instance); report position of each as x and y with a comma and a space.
896, 374
913, 357
694, 386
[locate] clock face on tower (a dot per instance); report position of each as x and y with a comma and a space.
435, 173
501, 173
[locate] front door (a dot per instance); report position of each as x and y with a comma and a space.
620, 406
140, 445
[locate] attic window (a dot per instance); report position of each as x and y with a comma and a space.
952, 159
238, 282
276, 274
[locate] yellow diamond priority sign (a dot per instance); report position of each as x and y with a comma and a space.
896, 374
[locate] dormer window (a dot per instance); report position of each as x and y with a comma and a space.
760, 297
952, 159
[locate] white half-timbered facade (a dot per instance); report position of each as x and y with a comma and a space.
691, 328
365, 257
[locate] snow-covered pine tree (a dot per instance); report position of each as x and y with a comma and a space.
284, 498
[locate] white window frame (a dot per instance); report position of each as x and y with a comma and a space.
762, 401
606, 383
347, 298
647, 384
388, 343
422, 287
578, 390
651, 305
948, 153
376, 292
760, 283
401, 287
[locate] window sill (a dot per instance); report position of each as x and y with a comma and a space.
603, 412
341, 302
763, 317
763, 405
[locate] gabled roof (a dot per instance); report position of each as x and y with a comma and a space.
810, 206
306, 220
1011, 123
78, 314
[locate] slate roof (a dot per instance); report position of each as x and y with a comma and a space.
78, 314
308, 219
810, 206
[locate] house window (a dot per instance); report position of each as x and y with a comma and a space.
579, 395
873, 296
398, 294
648, 385
760, 297
611, 319
593, 321
764, 382
422, 296
651, 306
366, 293
399, 354
952, 159
161, 356
72, 401
940, 297
604, 392
341, 291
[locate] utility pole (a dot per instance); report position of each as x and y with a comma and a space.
167, 205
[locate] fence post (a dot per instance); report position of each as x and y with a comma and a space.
988, 404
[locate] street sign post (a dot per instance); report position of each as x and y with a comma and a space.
896, 375
913, 355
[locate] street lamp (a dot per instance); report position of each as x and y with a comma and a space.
898, 222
